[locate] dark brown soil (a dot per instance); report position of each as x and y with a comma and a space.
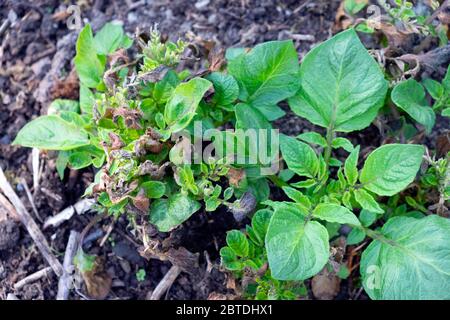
35, 66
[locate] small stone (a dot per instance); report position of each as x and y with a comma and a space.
201, 4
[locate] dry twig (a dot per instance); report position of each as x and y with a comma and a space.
165, 283
30, 225
65, 281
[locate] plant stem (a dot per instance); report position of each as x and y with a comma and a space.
327, 152
278, 182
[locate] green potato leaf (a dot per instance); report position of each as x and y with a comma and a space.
89, 66
226, 88
335, 213
313, 138
342, 87
296, 249
409, 96
367, 201
391, 168
238, 242
299, 156
182, 105
109, 38
154, 189
350, 167
51, 133
411, 261
267, 74
167, 214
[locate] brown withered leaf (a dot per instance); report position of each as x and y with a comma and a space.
235, 176
117, 192
98, 281
148, 143
325, 285
342, 20
156, 172
443, 144
216, 59
118, 56
141, 202
154, 75
116, 142
130, 116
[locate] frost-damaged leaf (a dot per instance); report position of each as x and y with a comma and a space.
267, 74
342, 87
409, 96
226, 88
182, 105
168, 214
296, 249
391, 168
299, 157
335, 213
51, 133
412, 264
89, 67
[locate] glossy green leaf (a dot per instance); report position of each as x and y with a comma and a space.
51, 133
154, 189
80, 160
367, 201
260, 223
248, 117
409, 96
391, 168
89, 67
313, 138
350, 166
267, 74
168, 214
238, 242
296, 249
299, 156
411, 262
109, 38
343, 143
226, 88
342, 87
335, 213
182, 105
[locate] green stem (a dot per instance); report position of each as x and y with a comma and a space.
327, 153
278, 182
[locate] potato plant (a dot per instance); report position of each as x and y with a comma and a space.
129, 109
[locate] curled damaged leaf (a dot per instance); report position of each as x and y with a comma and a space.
240, 208
154, 75
235, 176
116, 142
141, 202
149, 142
130, 116
117, 192
98, 281
156, 172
